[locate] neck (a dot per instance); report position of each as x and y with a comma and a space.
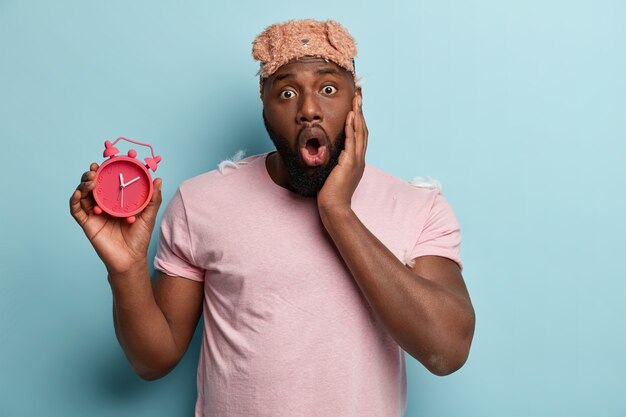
277, 170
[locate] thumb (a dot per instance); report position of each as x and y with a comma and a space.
151, 210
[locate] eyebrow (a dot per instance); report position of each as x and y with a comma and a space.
328, 70
321, 71
283, 76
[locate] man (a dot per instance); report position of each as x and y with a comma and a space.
315, 271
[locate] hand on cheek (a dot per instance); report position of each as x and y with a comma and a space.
340, 185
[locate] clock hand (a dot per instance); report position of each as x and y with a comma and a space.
122, 185
131, 181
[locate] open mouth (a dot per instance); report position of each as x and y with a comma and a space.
312, 144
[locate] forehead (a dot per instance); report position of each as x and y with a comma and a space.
309, 66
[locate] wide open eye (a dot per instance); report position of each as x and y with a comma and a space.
328, 90
287, 94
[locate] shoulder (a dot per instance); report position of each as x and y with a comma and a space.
381, 184
230, 172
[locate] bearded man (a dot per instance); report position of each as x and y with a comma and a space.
315, 271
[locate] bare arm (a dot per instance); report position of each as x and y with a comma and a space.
153, 322
427, 309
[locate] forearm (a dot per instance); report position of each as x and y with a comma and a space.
140, 325
429, 322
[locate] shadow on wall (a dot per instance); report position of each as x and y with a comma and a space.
109, 382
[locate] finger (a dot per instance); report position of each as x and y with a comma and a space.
365, 131
358, 128
76, 209
357, 123
349, 133
150, 212
85, 188
88, 176
87, 203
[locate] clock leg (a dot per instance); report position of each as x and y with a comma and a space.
97, 210
131, 219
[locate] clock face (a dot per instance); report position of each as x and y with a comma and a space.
123, 186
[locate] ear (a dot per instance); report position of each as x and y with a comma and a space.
265, 84
262, 87
358, 92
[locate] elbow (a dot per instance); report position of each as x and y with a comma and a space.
446, 363
441, 365
451, 357
443, 362
151, 367
152, 373
151, 376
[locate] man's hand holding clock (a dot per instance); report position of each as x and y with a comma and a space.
116, 205
121, 246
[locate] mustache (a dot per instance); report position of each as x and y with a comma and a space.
311, 126
316, 125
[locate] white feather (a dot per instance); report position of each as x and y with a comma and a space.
426, 182
232, 162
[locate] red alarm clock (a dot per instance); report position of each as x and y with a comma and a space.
123, 183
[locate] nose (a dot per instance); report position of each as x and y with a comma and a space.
309, 109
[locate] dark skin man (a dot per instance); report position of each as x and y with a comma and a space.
426, 308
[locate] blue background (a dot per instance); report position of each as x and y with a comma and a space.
518, 108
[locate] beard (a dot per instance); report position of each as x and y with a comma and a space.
306, 184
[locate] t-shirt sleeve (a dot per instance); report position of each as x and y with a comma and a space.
441, 234
174, 251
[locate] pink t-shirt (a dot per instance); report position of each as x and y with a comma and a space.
287, 331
